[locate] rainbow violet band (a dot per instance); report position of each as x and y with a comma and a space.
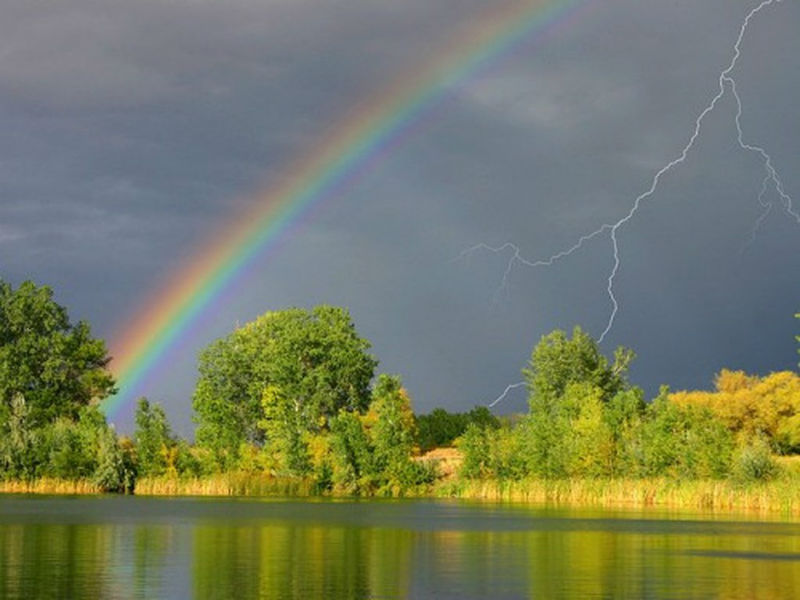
345, 153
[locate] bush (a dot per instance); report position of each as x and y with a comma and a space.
474, 445
352, 464
754, 463
415, 473
110, 474
787, 440
68, 457
684, 441
186, 462
507, 454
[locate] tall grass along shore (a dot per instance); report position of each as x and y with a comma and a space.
781, 495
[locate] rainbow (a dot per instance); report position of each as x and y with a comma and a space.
346, 152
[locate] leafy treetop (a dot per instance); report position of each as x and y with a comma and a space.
314, 361
558, 361
55, 366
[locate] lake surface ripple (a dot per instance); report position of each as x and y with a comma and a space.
131, 547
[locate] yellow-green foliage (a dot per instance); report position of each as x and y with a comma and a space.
232, 483
286, 429
319, 451
591, 438
506, 453
253, 459
779, 495
49, 485
753, 406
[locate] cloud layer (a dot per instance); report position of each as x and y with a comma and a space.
135, 130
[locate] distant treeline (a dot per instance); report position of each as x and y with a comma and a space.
293, 396
440, 428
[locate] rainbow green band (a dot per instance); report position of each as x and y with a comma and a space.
351, 147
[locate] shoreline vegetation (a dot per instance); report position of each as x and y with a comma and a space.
291, 405
780, 495
776, 496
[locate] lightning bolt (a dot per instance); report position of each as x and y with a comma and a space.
766, 208
509, 387
772, 180
516, 256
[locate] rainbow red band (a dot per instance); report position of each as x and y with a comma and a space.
170, 312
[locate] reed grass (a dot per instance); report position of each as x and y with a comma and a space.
780, 495
225, 484
49, 486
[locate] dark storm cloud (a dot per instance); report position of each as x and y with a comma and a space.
134, 130
168, 113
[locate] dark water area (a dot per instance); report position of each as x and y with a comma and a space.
129, 547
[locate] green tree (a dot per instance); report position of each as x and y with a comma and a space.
684, 441
557, 361
18, 441
285, 428
56, 366
483, 417
563, 374
440, 428
506, 453
78, 449
186, 462
589, 444
353, 467
474, 446
153, 439
67, 455
547, 432
392, 429
113, 472
623, 414
315, 358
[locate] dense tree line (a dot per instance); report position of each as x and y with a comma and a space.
440, 428
753, 407
52, 376
294, 394
280, 376
586, 420
291, 394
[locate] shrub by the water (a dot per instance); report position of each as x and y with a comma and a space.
754, 462
474, 446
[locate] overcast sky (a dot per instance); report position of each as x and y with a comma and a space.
133, 131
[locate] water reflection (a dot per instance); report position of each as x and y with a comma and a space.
145, 548
285, 561
58, 561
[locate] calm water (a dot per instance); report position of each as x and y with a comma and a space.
212, 548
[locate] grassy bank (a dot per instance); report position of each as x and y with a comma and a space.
781, 495
49, 486
226, 484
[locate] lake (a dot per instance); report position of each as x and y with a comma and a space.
130, 547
